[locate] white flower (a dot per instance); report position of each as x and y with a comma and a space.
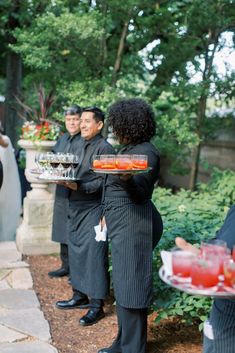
182, 208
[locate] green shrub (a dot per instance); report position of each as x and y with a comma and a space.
195, 216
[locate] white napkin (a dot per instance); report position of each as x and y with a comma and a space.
167, 262
208, 330
101, 235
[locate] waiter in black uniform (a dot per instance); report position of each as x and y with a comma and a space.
68, 142
133, 223
88, 258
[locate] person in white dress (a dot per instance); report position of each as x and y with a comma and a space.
10, 191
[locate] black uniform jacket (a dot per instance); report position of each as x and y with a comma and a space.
88, 259
71, 144
134, 228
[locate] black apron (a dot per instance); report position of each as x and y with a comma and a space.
65, 144
88, 259
133, 229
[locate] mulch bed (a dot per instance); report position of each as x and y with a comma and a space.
170, 336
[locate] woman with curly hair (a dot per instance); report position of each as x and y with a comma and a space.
133, 223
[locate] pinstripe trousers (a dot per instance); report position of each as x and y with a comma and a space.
133, 230
221, 338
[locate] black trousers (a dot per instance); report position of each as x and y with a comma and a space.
94, 303
64, 256
132, 330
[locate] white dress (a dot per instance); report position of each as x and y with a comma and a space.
10, 194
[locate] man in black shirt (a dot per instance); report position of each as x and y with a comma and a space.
68, 142
88, 258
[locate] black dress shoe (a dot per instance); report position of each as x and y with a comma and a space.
92, 317
73, 304
61, 272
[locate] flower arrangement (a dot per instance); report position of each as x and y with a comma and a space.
40, 132
37, 127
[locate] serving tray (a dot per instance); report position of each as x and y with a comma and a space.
219, 291
53, 179
121, 171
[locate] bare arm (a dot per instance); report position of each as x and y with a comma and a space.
3, 142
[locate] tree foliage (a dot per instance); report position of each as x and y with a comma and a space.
97, 51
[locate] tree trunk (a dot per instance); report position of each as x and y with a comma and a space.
118, 60
13, 88
196, 152
213, 37
13, 76
117, 64
194, 167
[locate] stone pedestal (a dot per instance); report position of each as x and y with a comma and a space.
33, 236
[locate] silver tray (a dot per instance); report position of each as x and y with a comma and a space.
121, 171
35, 171
51, 179
218, 291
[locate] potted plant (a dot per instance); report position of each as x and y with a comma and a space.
38, 132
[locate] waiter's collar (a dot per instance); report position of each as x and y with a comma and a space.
71, 137
93, 139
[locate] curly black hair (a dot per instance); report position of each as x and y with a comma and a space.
132, 120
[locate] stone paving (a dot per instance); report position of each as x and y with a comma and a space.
23, 328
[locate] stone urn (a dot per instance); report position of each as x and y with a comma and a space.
39, 188
33, 236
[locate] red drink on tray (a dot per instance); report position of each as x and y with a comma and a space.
105, 161
229, 273
182, 262
123, 162
205, 272
217, 248
139, 161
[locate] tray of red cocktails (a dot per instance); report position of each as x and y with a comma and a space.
210, 272
218, 291
120, 164
121, 171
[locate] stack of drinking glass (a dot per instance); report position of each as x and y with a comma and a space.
57, 166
